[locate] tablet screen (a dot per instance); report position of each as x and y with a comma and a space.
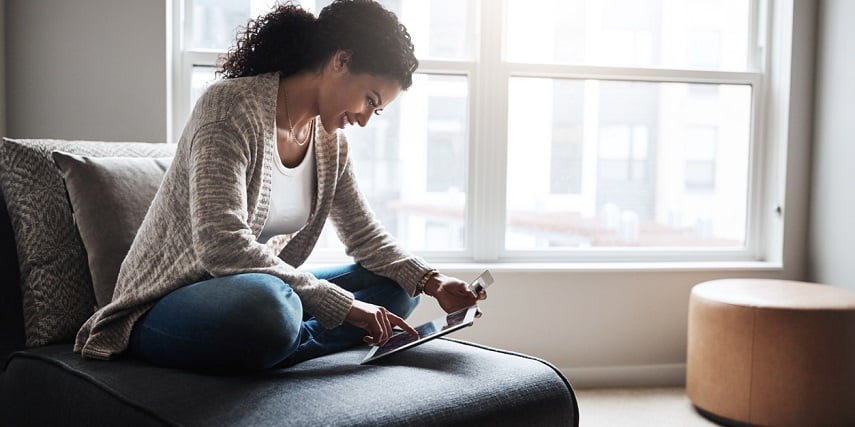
427, 332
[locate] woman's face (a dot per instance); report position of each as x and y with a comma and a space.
349, 99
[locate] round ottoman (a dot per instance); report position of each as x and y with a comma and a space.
772, 353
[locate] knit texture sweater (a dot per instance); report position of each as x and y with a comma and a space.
212, 205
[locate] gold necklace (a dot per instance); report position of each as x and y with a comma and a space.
291, 125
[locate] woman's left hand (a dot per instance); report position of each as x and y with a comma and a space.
452, 294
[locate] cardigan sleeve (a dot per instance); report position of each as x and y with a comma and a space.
367, 241
220, 163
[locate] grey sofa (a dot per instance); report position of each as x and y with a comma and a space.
42, 382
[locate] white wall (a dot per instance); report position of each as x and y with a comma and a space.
832, 236
86, 69
96, 69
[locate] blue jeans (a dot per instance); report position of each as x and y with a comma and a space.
253, 321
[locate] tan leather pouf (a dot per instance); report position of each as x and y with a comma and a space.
772, 352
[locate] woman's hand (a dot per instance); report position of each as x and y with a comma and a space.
452, 294
377, 321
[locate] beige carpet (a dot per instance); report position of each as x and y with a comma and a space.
637, 407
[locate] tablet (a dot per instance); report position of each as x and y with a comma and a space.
428, 331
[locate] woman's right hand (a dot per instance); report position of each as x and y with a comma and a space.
452, 294
377, 321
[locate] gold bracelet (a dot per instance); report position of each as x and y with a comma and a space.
420, 287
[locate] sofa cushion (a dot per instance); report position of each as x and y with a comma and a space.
443, 382
109, 200
56, 288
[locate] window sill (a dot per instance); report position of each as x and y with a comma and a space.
610, 267
594, 267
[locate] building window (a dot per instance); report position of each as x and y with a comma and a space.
700, 154
550, 130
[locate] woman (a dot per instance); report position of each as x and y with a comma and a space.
262, 156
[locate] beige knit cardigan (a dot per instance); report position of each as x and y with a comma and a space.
213, 203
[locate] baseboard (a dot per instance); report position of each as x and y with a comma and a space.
662, 375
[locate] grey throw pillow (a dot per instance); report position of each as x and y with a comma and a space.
109, 199
56, 288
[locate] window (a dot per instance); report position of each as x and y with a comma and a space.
552, 130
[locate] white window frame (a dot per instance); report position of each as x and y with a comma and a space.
183, 61
489, 75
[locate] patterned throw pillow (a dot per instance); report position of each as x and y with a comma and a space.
56, 286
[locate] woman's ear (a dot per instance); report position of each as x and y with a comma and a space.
341, 60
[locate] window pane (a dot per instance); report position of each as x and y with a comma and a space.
411, 164
695, 34
439, 28
654, 164
201, 77
214, 23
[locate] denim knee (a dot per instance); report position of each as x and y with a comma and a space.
274, 317
402, 304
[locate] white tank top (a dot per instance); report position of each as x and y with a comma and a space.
290, 195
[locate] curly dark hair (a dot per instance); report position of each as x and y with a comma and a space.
291, 40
